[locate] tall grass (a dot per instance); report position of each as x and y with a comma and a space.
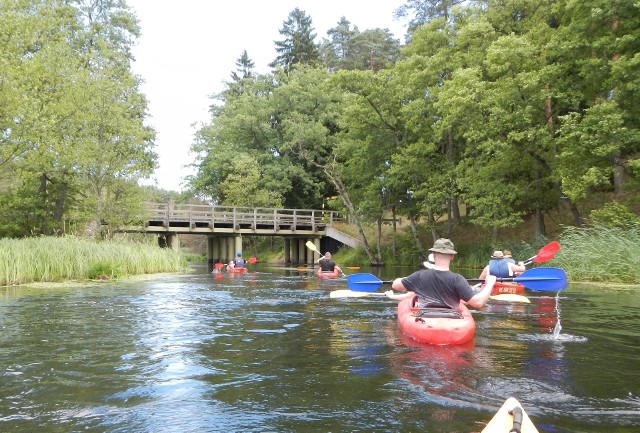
600, 253
54, 259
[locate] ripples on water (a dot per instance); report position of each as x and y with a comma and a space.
270, 351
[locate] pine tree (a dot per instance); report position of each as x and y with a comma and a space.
244, 67
298, 45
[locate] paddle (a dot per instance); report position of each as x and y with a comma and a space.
538, 279
252, 260
351, 294
541, 279
546, 253
313, 248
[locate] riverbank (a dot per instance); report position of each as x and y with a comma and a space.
67, 258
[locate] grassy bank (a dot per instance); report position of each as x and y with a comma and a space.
600, 253
55, 259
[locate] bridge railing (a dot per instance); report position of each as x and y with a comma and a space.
208, 215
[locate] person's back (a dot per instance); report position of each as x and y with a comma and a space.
239, 261
439, 285
498, 265
438, 288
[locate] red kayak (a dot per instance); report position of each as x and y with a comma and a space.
507, 287
237, 270
436, 325
332, 274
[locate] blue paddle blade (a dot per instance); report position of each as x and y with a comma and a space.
543, 279
363, 282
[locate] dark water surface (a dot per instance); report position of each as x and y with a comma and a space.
269, 351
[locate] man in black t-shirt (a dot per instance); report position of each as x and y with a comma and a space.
328, 265
439, 287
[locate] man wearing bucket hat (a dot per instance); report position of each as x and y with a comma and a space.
438, 286
501, 267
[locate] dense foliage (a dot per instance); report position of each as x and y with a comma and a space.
497, 111
73, 143
492, 112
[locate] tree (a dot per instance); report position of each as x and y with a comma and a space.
76, 136
423, 11
244, 67
298, 47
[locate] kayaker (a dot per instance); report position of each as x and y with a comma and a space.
502, 267
439, 287
231, 265
328, 265
508, 257
239, 261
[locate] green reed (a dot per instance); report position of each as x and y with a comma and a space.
600, 253
55, 259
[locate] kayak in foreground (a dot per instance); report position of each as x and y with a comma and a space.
436, 325
511, 417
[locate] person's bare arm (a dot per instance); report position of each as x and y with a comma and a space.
479, 299
398, 286
398, 296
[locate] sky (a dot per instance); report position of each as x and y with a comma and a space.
188, 49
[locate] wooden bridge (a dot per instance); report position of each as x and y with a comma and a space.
224, 227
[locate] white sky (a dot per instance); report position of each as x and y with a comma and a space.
188, 48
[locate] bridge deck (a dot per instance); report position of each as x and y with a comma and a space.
184, 218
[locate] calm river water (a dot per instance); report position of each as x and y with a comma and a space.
269, 351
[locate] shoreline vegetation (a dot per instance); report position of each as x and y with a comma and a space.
597, 254
48, 259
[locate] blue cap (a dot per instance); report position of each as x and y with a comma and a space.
238, 254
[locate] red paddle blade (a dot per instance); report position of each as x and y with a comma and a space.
547, 252
252, 260
219, 265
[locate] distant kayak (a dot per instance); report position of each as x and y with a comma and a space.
511, 417
332, 274
436, 325
236, 270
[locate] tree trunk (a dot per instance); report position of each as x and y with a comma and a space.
395, 230
455, 209
45, 199
577, 219
416, 238
344, 195
379, 237
432, 224
539, 222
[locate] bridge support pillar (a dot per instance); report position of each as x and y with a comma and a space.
294, 251
231, 248
287, 251
238, 245
222, 249
302, 251
170, 240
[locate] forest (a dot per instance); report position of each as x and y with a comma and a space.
491, 112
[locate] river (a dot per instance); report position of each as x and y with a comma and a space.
269, 351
